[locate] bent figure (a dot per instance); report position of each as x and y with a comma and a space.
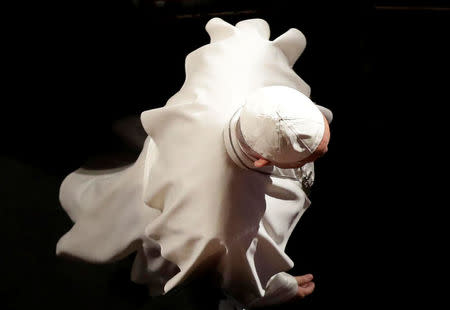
220, 183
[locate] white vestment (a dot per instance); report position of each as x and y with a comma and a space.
186, 203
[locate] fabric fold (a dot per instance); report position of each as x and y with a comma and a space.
108, 211
185, 206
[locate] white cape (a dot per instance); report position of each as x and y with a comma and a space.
185, 204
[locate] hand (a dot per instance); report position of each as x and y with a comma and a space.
305, 286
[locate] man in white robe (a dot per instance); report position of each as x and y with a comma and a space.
188, 203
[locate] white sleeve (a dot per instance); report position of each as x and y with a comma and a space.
281, 288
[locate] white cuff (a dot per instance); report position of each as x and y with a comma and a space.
280, 288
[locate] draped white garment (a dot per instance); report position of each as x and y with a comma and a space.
185, 204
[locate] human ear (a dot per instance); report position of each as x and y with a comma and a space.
261, 162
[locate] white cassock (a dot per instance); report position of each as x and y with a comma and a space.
190, 201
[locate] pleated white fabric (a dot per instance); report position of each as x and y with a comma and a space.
186, 204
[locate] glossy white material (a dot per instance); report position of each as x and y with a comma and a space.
281, 124
185, 204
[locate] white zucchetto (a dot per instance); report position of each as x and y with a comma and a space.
281, 124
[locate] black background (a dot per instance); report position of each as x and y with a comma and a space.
72, 69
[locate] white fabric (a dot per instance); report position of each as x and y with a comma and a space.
281, 287
185, 205
281, 124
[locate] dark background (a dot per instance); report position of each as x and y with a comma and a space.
73, 69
